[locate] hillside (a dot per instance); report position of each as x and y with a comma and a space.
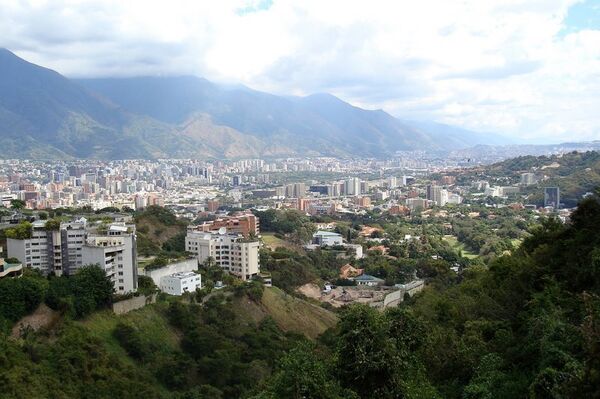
170, 349
575, 173
45, 115
290, 313
159, 230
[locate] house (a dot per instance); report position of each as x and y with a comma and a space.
368, 280
348, 271
180, 283
379, 248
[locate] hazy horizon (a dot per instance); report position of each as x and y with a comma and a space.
523, 69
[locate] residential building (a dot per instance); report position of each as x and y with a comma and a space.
180, 283
368, 280
65, 248
234, 253
186, 265
552, 197
528, 179
10, 269
327, 238
416, 203
56, 249
116, 254
352, 186
245, 224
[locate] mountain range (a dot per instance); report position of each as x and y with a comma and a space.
45, 115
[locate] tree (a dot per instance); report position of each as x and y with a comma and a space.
17, 204
302, 375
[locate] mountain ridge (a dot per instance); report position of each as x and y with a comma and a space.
46, 115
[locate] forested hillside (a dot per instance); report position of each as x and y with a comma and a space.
526, 326
576, 174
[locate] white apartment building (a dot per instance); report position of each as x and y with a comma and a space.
180, 283
232, 252
51, 251
116, 254
73, 245
352, 186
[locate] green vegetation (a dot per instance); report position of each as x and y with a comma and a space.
20, 232
577, 173
290, 223
160, 233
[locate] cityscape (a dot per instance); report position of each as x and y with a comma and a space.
261, 199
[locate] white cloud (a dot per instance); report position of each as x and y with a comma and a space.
493, 65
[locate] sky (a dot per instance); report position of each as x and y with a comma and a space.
526, 69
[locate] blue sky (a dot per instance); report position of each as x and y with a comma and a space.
523, 68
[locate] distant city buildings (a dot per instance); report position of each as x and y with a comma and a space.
552, 197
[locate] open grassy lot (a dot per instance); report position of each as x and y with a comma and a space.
458, 246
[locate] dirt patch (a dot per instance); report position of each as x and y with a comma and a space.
341, 296
43, 317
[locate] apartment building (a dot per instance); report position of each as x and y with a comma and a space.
116, 254
232, 252
56, 249
65, 248
245, 224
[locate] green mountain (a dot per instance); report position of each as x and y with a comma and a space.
45, 115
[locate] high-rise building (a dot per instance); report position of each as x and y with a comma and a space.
352, 186
437, 194
65, 248
392, 182
232, 252
552, 197
528, 179
116, 253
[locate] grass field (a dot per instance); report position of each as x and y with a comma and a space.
459, 246
273, 242
288, 312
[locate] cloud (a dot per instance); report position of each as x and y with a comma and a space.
518, 67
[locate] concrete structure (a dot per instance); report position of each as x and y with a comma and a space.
73, 245
10, 269
116, 253
51, 251
416, 203
552, 197
352, 186
368, 280
245, 224
528, 179
180, 283
232, 252
187, 265
327, 238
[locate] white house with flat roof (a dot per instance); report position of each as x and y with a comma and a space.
180, 283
